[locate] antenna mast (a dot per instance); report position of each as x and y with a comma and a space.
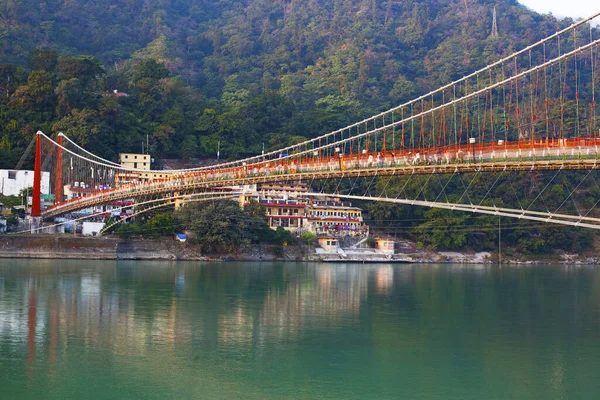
494, 24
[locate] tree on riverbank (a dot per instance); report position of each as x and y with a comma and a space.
154, 226
224, 227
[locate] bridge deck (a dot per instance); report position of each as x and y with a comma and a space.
585, 159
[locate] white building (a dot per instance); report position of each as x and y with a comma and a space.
92, 228
13, 181
135, 160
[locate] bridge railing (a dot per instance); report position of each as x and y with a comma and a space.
551, 148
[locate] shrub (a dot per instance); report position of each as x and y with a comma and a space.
308, 237
371, 242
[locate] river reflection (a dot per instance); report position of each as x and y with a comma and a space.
287, 330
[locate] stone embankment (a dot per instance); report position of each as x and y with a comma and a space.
65, 246
109, 248
55, 246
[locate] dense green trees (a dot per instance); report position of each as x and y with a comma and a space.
241, 73
220, 226
441, 229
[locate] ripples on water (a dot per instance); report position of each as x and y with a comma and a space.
160, 330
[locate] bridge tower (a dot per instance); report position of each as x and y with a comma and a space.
58, 180
36, 210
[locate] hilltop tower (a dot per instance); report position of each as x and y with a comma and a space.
494, 24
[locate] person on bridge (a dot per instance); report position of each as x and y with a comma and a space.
331, 164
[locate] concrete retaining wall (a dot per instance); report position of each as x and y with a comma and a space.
46, 246
66, 246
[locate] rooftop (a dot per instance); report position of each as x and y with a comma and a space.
340, 207
270, 204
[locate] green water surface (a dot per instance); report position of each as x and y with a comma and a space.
187, 330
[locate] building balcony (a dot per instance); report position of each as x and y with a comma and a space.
329, 232
331, 218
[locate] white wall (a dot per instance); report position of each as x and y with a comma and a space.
89, 227
22, 180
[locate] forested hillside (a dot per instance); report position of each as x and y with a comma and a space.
240, 72
191, 73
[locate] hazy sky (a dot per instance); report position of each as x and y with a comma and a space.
564, 8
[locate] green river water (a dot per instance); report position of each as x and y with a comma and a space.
193, 330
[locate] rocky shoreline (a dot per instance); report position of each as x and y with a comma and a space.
109, 248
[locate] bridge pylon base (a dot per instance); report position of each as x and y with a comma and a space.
35, 223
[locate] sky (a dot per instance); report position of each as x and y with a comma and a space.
564, 8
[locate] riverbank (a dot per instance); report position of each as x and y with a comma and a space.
107, 248
110, 248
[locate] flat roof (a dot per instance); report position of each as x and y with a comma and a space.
283, 205
336, 207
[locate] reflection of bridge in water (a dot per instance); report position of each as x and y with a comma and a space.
214, 330
533, 110
98, 302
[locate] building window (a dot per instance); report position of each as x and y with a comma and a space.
126, 156
12, 174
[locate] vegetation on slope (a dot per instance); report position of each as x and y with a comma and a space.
240, 72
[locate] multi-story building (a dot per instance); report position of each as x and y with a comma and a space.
249, 194
289, 214
335, 218
288, 204
134, 160
291, 188
273, 191
142, 162
12, 182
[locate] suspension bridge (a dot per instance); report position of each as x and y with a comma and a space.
533, 110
